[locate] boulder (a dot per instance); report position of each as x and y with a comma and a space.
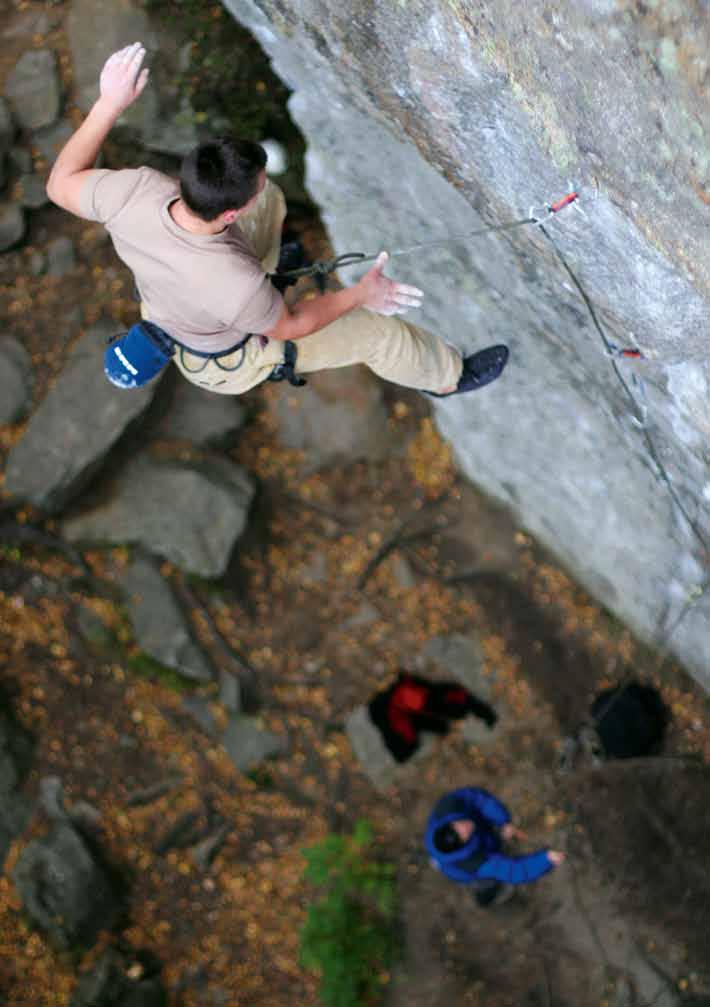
247, 743
198, 710
12, 226
61, 258
74, 428
202, 419
15, 754
63, 888
16, 378
38, 263
7, 128
48, 142
97, 28
33, 192
339, 416
159, 623
20, 159
376, 761
33, 89
230, 691
176, 135
94, 630
190, 512
121, 979
460, 657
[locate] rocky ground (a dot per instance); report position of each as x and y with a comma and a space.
177, 718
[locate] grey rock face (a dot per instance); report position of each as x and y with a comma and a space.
33, 192
247, 743
119, 980
76, 425
205, 420
503, 126
192, 513
33, 89
12, 226
15, 380
61, 257
159, 624
62, 888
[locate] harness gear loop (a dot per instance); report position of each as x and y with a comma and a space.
216, 357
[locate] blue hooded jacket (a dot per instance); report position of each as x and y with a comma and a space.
480, 859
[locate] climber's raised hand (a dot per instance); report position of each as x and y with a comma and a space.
122, 80
385, 296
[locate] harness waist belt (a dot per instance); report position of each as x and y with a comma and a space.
214, 355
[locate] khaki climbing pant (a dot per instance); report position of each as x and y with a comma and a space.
395, 350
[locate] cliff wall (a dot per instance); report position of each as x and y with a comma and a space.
431, 119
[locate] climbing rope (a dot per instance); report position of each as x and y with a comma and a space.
640, 418
327, 266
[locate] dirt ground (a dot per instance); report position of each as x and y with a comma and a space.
623, 921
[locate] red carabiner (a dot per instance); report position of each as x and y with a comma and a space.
562, 203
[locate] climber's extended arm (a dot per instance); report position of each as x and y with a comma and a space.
121, 83
374, 291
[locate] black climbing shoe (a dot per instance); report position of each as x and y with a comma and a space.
478, 370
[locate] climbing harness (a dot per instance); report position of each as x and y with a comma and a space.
134, 358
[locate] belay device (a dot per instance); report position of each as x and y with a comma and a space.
134, 358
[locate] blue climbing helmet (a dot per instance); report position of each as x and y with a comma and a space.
134, 358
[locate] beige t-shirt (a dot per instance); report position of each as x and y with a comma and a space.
208, 291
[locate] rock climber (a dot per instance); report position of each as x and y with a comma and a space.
201, 250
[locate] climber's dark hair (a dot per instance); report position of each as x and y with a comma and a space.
447, 839
219, 175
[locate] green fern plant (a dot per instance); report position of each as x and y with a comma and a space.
349, 937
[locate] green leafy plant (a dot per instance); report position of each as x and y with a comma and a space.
349, 937
147, 667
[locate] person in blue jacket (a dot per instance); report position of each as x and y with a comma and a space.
464, 839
